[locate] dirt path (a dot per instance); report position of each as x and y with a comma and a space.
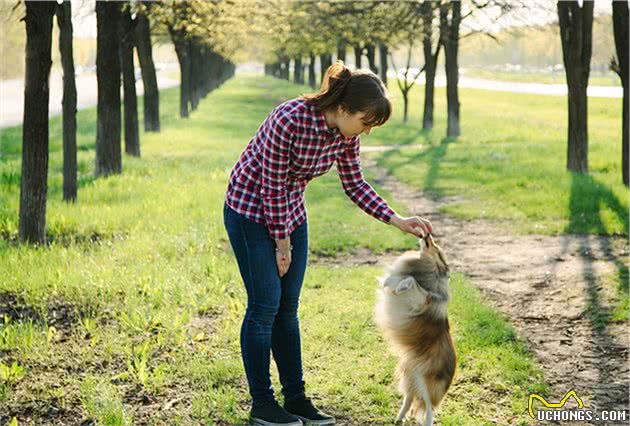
546, 286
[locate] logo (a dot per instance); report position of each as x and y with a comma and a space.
560, 404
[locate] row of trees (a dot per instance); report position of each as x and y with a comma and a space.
435, 25
206, 34
121, 28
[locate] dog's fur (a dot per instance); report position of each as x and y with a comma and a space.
411, 311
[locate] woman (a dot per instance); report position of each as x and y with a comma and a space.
265, 219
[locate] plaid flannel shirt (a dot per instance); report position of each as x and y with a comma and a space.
291, 147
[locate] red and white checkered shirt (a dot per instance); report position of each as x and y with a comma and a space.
291, 147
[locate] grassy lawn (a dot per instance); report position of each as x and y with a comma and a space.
132, 313
510, 162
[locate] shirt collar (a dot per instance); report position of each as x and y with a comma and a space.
319, 121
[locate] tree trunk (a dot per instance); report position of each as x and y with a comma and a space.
620, 28
297, 70
358, 51
382, 53
405, 94
132, 139
286, 68
149, 78
193, 52
576, 29
311, 71
341, 52
430, 60
325, 61
371, 56
69, 102
33, 186
108, 155
577, 149
183, 57
449, 34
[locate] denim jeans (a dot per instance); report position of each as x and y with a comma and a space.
271, 320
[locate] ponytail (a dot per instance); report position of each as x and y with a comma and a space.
333, 86
355, 91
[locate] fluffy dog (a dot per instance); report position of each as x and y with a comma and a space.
411, 312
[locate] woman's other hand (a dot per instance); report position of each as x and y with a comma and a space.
283, 256
414, 225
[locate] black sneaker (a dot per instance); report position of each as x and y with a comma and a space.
307, 412
272, 414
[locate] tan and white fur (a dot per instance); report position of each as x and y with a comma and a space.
411, 312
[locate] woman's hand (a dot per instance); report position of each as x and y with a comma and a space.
283, 256
414, 225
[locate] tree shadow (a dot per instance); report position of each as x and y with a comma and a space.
586, 199
432, 156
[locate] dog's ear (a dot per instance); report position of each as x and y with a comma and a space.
404, 285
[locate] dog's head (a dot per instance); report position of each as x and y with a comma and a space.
416, 273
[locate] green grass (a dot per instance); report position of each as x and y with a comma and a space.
132, 313
510, 162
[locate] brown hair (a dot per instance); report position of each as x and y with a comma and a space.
355, 91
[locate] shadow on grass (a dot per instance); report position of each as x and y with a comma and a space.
586, 201
432, 156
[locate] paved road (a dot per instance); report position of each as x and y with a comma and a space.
12, 95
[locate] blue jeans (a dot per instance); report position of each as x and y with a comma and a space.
271, 321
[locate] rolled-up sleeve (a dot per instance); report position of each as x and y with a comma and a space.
355, 186
277, 133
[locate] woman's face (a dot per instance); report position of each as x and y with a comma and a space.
351, 125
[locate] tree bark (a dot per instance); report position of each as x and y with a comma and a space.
382, 53
358, 51
149, 78
132, 138
298, 78
33, 186
195, 76
325, 60
311, 71
371, 56
108, 152
620, 28
183, 57
449, 34
405, 106
576, 29
286, 68
341, 52
430, 60
69, 102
